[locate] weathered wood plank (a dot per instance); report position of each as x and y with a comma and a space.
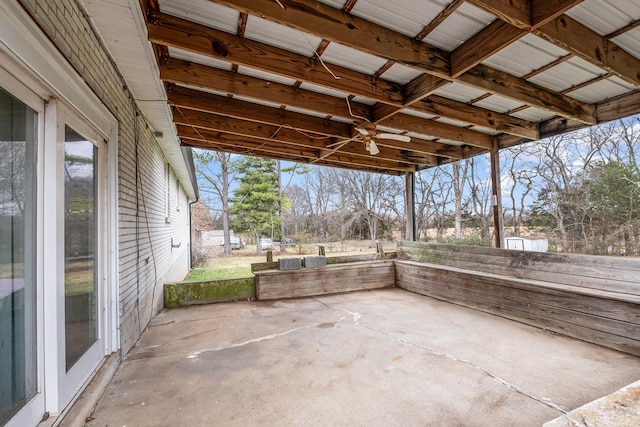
596, 272
607, 340
326, 280
605, 304
611, 316
342, 259
531, 266
613, 334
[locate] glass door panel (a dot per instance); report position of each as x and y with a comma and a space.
18, 362
80, 222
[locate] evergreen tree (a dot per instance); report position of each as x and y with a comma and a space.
255, 203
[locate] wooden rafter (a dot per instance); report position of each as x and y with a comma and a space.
592, 47
322, 20
442, 16
192, 74
287, 137
229, 107
477, 116
317, 133
496, 81
631, 26
179, 33
482, 45
260, 147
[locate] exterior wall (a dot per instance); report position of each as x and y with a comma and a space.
146, 228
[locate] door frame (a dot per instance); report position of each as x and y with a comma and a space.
29, 57
72, 380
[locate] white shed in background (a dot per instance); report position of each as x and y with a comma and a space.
536, 244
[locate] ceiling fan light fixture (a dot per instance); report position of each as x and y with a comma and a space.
372, 148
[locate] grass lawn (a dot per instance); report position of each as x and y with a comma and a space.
223, 266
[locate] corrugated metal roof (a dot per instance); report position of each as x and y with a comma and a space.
337, 4
199, 59
466, 102
460, 92
568, 74
457, 28
400, 74
418, 114
499, 104
323, 90
362, 100
630, 42
408, 17
599, 91
203, 12
248, 71
533, 114
351, 58
281, 36
528, 54
606, 16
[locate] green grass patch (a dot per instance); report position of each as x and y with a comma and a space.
203, 274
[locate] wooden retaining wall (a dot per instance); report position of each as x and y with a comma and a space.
337, 278
596, 299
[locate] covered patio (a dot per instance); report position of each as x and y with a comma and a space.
387, 87
380, 358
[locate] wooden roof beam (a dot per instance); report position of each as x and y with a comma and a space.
504, 84
503, 32
203, 120
526, 14
184, 72
182, 34
592, 47
445, 107
291, 138
439, 130
485, 43
324, 21
275, 149
333, 24
414, 91
197, 100
203, 101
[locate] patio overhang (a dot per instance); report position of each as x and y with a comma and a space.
319, 81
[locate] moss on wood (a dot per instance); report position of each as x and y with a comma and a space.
190, 293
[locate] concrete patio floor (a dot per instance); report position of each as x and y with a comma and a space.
377, 358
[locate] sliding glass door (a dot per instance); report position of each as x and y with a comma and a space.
80, 232
81, 286
18, 308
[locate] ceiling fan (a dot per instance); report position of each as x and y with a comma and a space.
367, 133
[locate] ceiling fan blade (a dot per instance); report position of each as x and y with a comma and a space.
363, 131
394, 136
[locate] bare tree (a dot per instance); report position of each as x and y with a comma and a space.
520, 183
216, 170
433, 190
480, 188
459, 179
366, 193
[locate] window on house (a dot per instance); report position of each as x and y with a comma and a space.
167, 195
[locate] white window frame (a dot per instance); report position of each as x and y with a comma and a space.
32, 411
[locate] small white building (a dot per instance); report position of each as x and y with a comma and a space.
214, 237
535, 244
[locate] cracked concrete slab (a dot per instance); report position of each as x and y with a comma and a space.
385, 357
